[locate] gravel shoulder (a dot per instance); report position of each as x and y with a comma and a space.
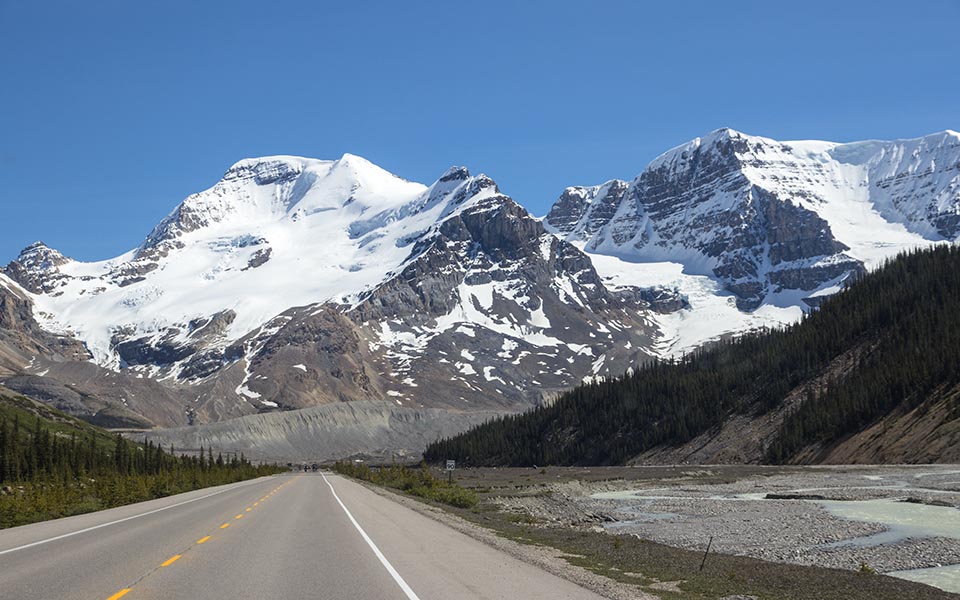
544, 557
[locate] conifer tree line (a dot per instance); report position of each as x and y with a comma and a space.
45, 473
890, 341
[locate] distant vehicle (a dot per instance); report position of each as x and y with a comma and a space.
315, 467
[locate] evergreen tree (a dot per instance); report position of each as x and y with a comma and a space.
56, 475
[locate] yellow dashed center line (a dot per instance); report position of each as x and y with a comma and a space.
170, 560
202, 540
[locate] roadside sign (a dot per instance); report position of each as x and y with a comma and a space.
451, 465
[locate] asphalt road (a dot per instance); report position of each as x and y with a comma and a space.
294, 536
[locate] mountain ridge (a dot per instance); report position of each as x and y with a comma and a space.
777, 225
294, 282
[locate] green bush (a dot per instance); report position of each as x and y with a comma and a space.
416, 482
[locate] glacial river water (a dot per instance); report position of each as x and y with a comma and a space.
905, 520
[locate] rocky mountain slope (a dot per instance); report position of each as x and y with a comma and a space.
871, 376
297, 282
58, 369
772, 226
21, 337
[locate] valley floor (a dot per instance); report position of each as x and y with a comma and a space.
898, 520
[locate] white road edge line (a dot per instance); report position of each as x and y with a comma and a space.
383, 559
78, 532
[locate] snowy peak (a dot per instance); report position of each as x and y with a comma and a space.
914, 182
451, 179
454, 173
768, 218
266, 170
294, 281
725, 142
585, 209
259, 190
243, 245
37, 268
863, 152
40, 256
274, 233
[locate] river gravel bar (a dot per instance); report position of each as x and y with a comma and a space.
887, 518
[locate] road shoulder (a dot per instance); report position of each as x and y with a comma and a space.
548, 559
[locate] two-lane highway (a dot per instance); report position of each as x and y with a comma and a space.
298, 536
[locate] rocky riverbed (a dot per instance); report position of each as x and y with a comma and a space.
883, 518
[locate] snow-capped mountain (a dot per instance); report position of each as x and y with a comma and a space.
752, 230
294, 282
272, 234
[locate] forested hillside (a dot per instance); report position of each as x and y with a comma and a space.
888, 344
53, 465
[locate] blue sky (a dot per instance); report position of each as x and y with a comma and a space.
112, 112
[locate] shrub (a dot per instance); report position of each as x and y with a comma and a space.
417, 482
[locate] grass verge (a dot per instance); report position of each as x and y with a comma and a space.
417, 482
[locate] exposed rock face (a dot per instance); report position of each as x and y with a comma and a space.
765, 217
56, 369
22, 338
772, 245
335, 363
37, 268
699, 200
235, 192
593, 206
489, 310
259, 257
528, 306
175, 344
293, 283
